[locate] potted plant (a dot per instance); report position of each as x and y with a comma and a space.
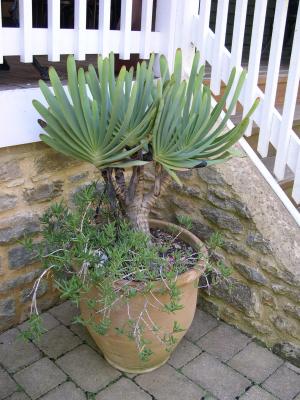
134, 278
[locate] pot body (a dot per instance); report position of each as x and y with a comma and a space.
119, 350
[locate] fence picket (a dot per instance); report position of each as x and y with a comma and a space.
221, 25
53, 30
1, 49
80, 27
165, 23
272, 76
25, 15
289, 104
254, 57
146, 23
296, 187
203, 28
104, 26
125, 28
237, 41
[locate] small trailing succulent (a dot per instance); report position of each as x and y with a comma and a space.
82, 249
117, 124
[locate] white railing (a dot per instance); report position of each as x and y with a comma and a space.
275, 128
178, 23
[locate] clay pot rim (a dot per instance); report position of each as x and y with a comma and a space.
188, 237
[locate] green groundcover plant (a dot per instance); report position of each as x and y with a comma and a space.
118, 124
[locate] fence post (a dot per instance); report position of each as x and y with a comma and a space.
1, 50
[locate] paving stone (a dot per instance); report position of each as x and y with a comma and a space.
58, 341
184, 353
257, 393
91, 375
202, 324
223, 342
19, 396
48, 322
39, 378
83, 333
166, 383
123, 389
65, 312
298, 397
7, 385
284, 383
255, 362
67, 391
15, 353
217, 378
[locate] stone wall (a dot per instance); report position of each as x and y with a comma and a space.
261, 241
31, 176
261, 244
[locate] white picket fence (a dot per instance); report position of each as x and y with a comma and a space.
178, 23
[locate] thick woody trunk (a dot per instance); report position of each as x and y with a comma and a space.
138, 216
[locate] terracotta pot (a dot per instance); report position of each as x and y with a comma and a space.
119, 350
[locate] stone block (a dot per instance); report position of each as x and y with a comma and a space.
78, 177
255, 362
235, 248
53, 161
48, 322
256, 241
7, 385
251, 274
39, 378
222, 219
66, 391
16, 227
257, 393
91, 375
236, 294
7, 201
19, 281
221, 199
57, 342
223, 342
43, 192
288, 351
210, 176
184, 353
19, 256
284, 383
286, 325
202, 323
214, 376
123, 389
26, 294
166, 383
10, 170
65, 312
15, 353
7, 308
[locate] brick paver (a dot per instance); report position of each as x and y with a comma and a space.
213, 362
257, 393
284, 383
223, 342
202, 324
184, 353
166, 383
88, 369
123, 389
67, 391
58, 341
7, 385
255, 362
39, 378
15, 353
216, 377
